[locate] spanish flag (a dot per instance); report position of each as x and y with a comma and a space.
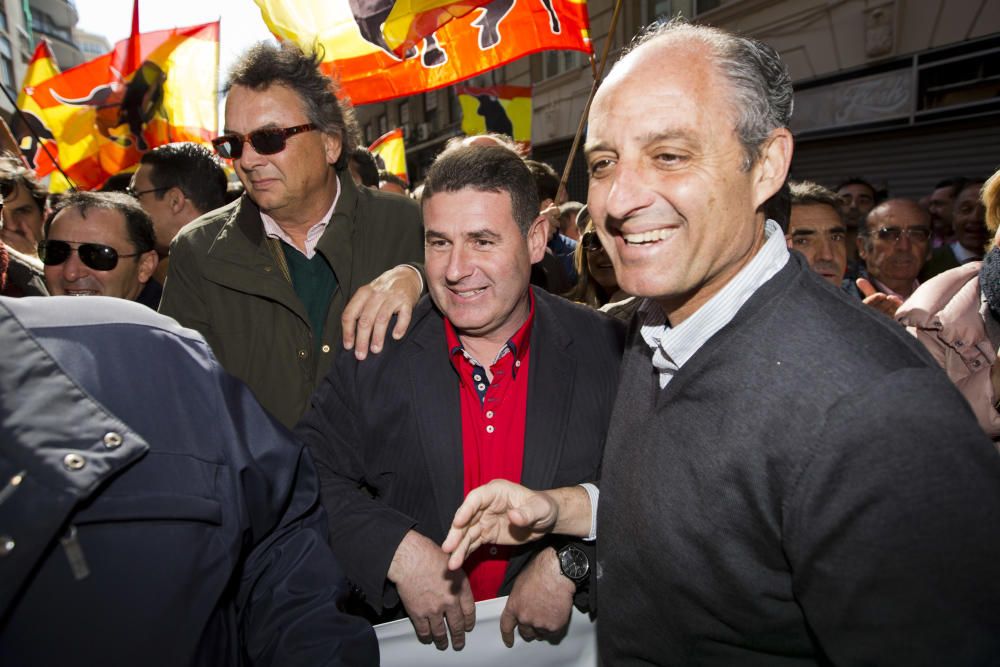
350, 35
502, 109
410, 21
152, 89
41, 67
390, 153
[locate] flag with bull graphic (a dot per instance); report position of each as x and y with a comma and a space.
469, 37
151, 89
500, 109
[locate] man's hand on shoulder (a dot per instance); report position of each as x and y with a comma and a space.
438, 600
366, 316
541, 602
883, 303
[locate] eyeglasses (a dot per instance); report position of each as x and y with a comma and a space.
266, 141
132, 192
96, 256
915, 234
591, 242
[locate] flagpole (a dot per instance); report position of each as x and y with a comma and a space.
593, 91
24, 119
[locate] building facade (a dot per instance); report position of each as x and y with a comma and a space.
901, 92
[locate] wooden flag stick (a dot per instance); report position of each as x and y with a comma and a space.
598, 74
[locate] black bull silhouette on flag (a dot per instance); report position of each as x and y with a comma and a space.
370, 15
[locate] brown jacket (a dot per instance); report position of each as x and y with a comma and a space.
226, 281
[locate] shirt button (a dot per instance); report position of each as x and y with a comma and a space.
112, 440
517, 363
481, 387
326, 349
74, 461
6, 545
489, 414
477, 377
303, 354
493, 551
490, 429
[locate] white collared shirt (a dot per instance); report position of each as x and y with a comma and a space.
672, 347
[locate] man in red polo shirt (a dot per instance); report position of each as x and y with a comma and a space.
493, 380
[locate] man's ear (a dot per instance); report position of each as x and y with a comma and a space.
176, 199
333, 147
771, 168
538, 238
860, 243
147, 265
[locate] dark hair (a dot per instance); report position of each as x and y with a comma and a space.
546, 180
364, 162
761, 86
857, 180
12, 169
778, 207
137, 221
265, 64
190, 167
487, 169
389, 177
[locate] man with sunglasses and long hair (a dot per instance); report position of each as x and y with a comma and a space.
100, 244
276, 280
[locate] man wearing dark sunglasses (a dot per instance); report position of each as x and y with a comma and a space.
100, 244
894, 243
305, 262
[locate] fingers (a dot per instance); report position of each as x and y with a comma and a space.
422, 628
468, 606
402, 321
439, 633
867, 289
508, 621
457, 627
349, 318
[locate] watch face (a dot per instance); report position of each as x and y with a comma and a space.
574, 563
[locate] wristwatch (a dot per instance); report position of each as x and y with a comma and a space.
574, 563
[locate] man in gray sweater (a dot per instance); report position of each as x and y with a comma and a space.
788, 480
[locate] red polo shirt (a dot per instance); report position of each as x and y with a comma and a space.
493, 416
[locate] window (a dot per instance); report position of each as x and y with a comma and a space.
658, 9
431, 101
702, 6
558, 62
3, 17
6, 63
369, 133
383, 124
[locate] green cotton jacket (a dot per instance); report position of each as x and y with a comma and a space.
229, 282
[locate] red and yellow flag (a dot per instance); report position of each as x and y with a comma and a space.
410, 21
389, 152
502, 109
152, 89
41, 67
355, 49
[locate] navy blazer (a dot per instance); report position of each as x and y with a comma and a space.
386, 433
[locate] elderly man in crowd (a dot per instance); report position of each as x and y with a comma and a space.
895, 243
494, 380
754, 508
968, 223
267, 279
816, 229
176, 183
100, 244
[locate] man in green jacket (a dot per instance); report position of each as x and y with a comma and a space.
274, 280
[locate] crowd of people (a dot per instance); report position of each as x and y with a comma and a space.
740, 419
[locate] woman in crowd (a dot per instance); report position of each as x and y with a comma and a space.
597, 286
956, 315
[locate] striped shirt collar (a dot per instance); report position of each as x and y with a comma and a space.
672, 347
274, 230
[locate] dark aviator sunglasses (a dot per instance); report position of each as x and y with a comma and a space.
266, 141
96, 256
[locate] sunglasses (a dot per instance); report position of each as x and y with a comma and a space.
591, 242
132, 192
915, 234
267, 141
96, 256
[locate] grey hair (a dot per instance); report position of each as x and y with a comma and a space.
762, 89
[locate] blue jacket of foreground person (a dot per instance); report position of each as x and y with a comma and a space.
151, 513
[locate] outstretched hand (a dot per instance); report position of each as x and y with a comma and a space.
884, 303
499, 512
